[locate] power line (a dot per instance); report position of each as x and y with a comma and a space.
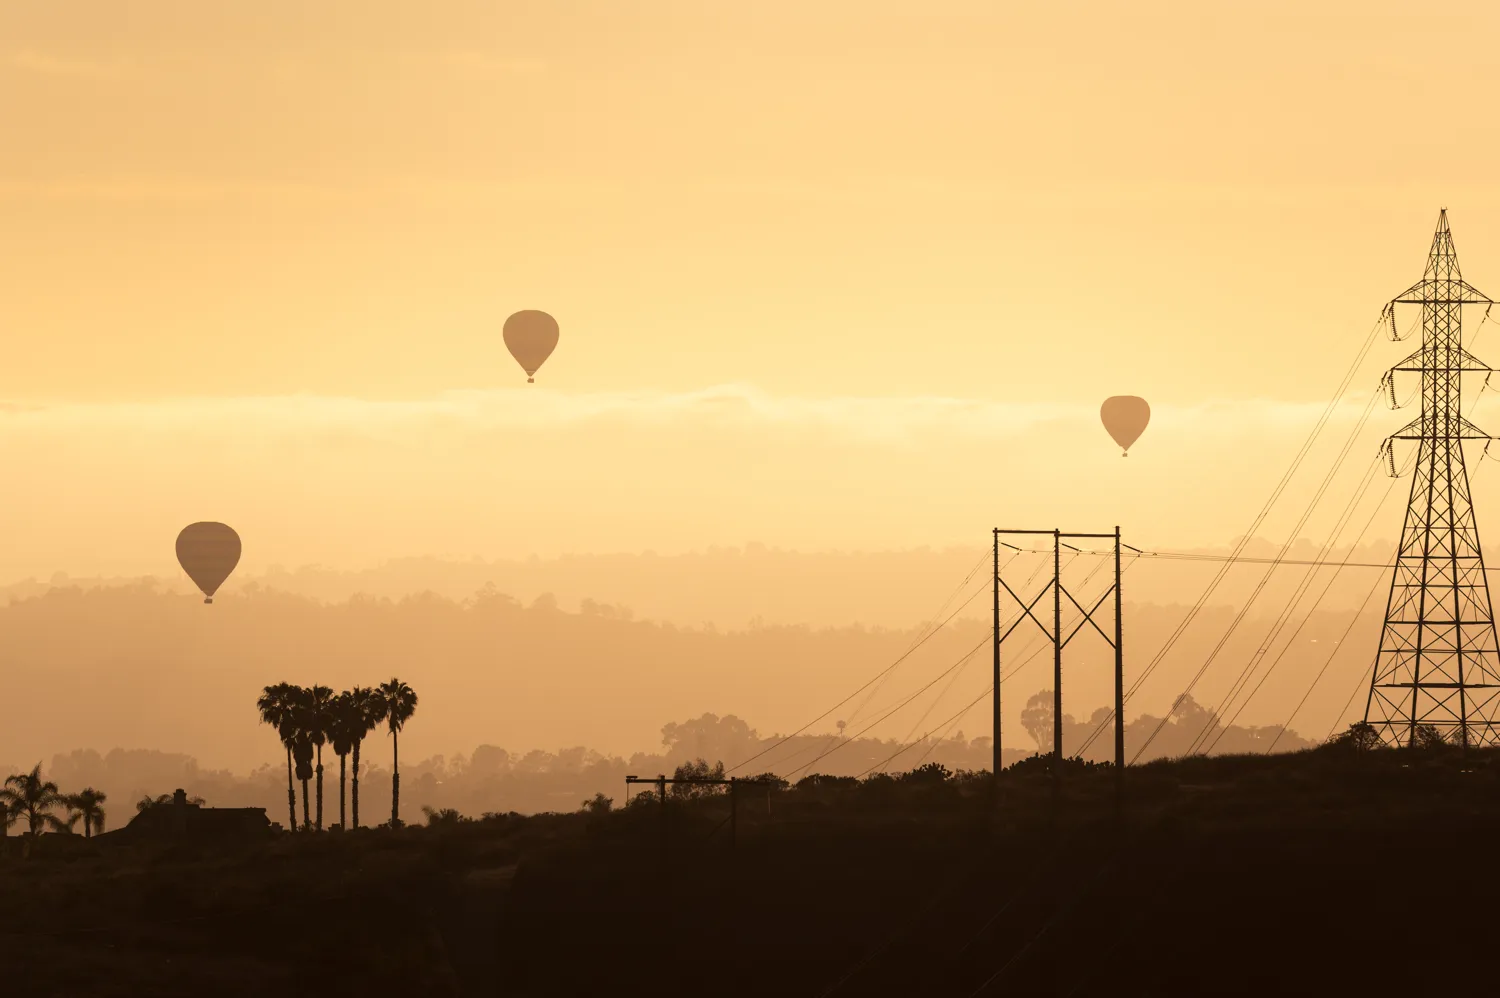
953, 719
1277, 626
1327, 662
1260, 586
869, 682
1239, 548
973, 570
924, 688
1307, 617
930, 707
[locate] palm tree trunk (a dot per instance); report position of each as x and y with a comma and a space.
354, 790
88, 827
343, 826
291, 795
395, 783
320, 788
306, 824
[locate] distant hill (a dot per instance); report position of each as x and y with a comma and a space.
138, 667
735, 588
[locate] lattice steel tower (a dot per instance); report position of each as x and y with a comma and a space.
1438, 666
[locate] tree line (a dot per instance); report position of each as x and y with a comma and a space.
30, 797
306, 718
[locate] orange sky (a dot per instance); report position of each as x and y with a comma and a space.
250, 252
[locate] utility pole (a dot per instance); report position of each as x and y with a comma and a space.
996, 765
1059, 641
1057, 647
733, 783
1438, 663
1119, 681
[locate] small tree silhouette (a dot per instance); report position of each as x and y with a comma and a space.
933, 772
87, 804
1360, 736
698, 769
1427, 738
27, 795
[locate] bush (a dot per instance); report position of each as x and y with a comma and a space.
1360, 737
446, 817
933, 772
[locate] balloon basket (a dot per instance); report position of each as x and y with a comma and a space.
209, 600
531, 381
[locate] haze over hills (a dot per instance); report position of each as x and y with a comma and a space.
733, 588
146, 666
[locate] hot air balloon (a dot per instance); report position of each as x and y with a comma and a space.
531, 336
1125, 417
208, 552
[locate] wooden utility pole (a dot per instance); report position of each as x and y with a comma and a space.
1059, 640
1119, 683
733, 783
1057, 647
996, 765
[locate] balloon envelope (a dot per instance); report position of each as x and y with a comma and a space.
531, 336
208, 552
1125, 417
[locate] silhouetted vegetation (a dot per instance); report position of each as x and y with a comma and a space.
929, 880
561, 680
308, 718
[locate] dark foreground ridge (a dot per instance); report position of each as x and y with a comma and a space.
1330, 871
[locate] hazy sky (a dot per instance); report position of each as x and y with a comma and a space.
833, 274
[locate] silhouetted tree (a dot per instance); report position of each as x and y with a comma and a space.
933, 772
346, 724
317, 706
147, 802
598, 804
27, 795
698, 769
400, 703
87, 804
773, 782
302, 754
1360, 736
710, 737
1427, 737
278, 708
369, 709
1036, 718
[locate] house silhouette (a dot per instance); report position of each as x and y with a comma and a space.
182, 819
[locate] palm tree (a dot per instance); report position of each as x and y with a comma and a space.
368, 711
400, 703
278, 708
346, 725
147, 802
88, 805
302, 752
318, 718
28, 795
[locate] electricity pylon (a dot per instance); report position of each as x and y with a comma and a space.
1438, 667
